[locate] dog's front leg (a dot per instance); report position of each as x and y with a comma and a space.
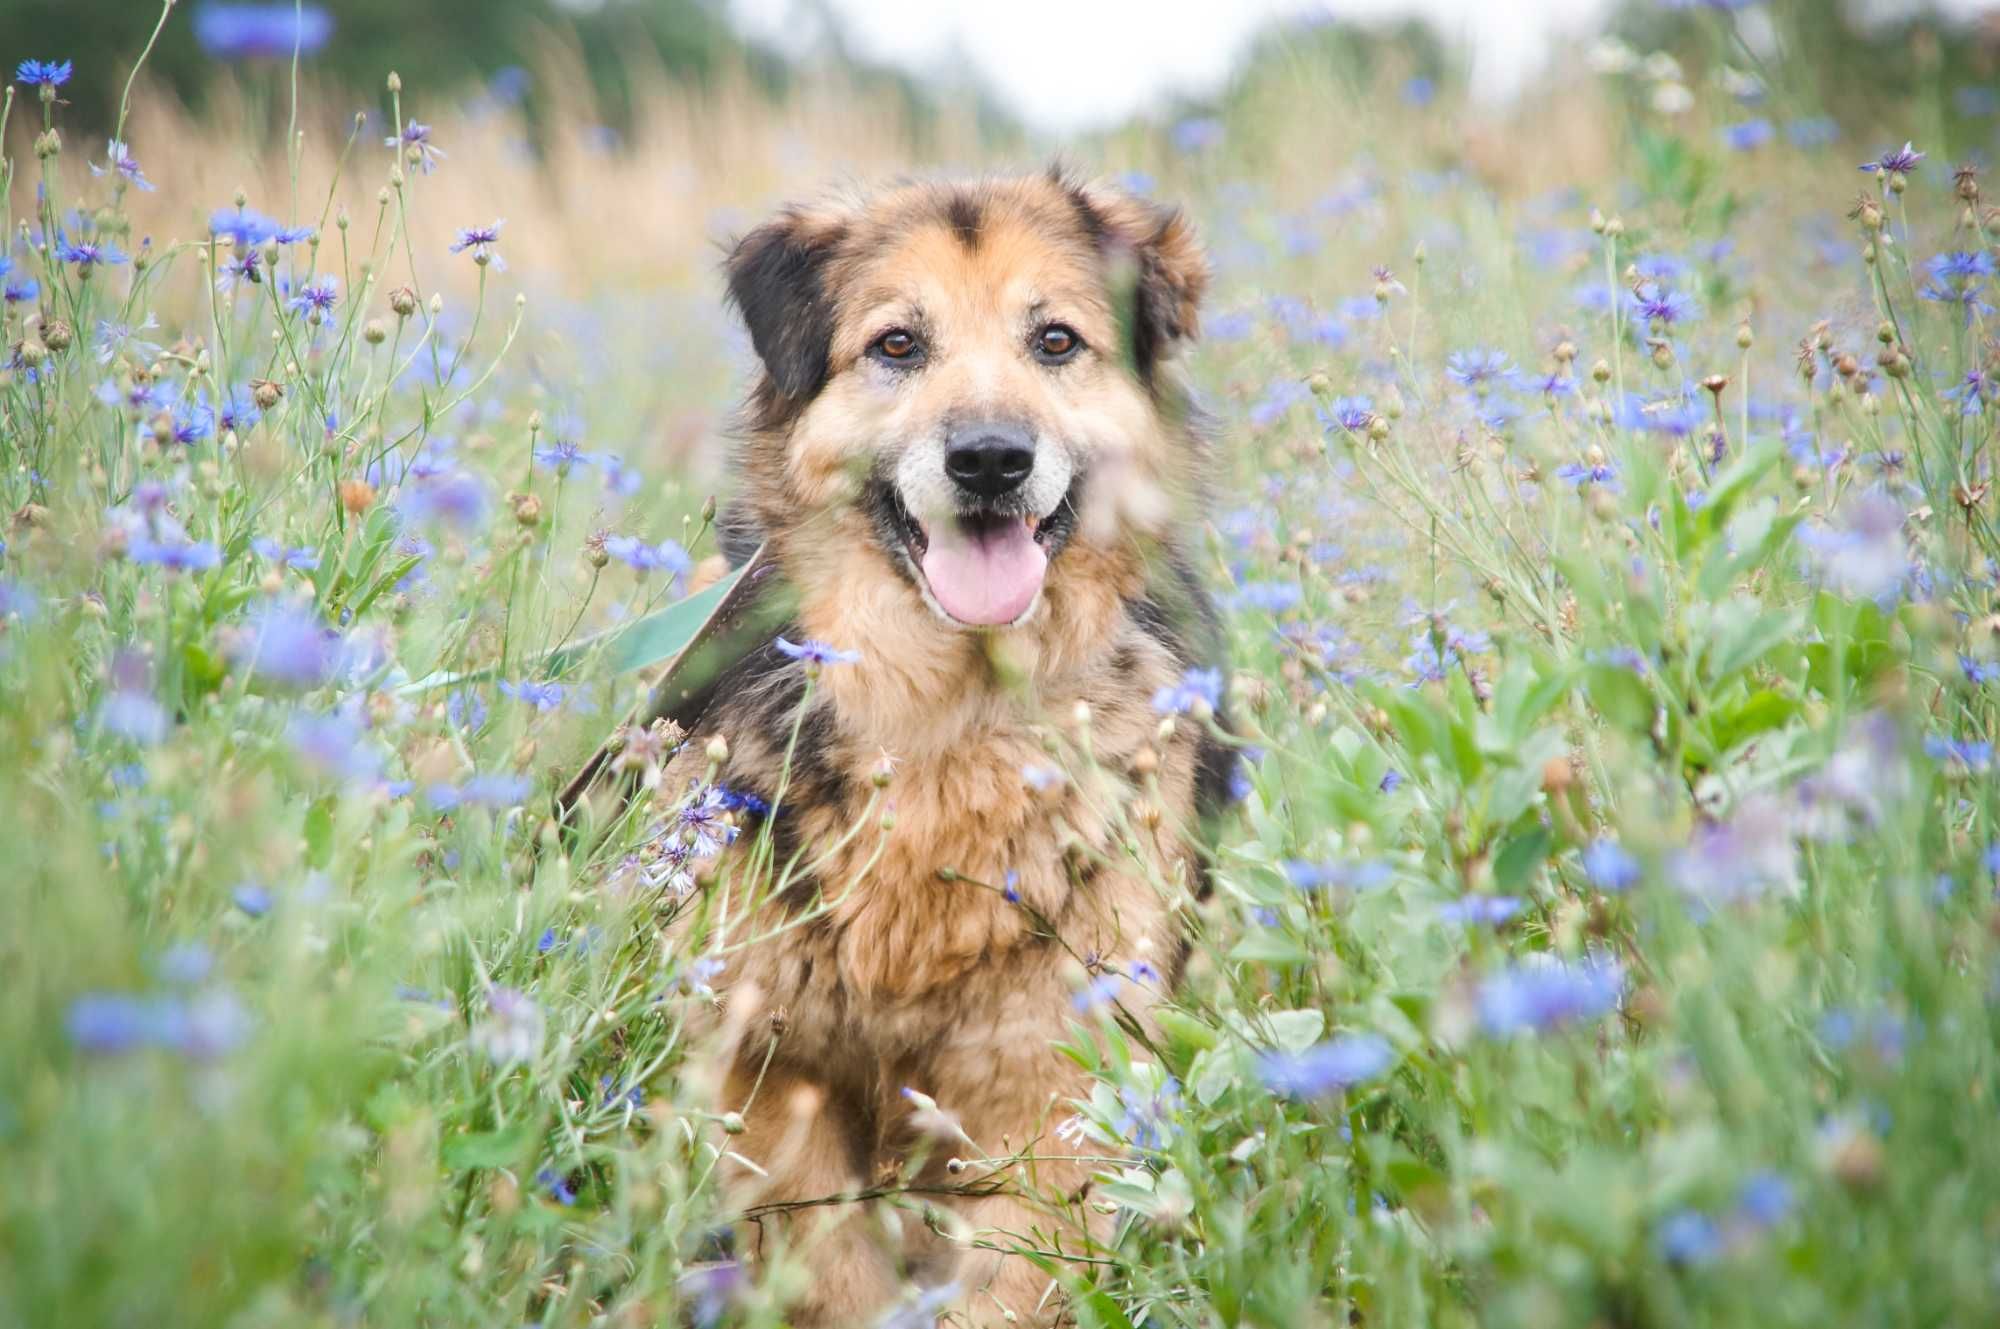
805, 1142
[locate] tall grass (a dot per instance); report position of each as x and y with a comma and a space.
1607, 933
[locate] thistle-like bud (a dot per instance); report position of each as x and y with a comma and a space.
1885, 332
395, 81
403, 301
437, 303
718, 750
31, 352
1565, 352
373, 332
527, 509
1663, 352
266, 393
357, 496
1965, 181
1600, 373
48, 143
594, 552
1745, 339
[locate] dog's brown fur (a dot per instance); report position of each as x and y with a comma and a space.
889, 957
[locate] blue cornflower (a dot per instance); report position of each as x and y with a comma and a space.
1765, 1200
1602, 474
816, 652
1326, 1068
1966, 295
109, 1023
193, 422
1362, 875
335, 745
1812, 131
242, 226
1655, 303
1390, 782
557, 1186
542, 696
1491, 910
42, 73
1690, 1237
1960, 265
1354, 414
1477, 369
176, 555
239, 412
16, 601
21, 290
1197, 688
316, 299
123, 164
495, 790
1147, 1118
702, 821
1197, 132
252, 899
268, 32
1972, 391
89, 254
642, 557
1979, 672
415, 141
1610, 867
1749, 135
1896, 161
1547, 994
480, 240
289, 647
303, 557
1270, 597
563, 453
1974, 755
239, 268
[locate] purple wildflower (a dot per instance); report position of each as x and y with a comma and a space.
1610, 867
1197, 689
415, 141
316, 299
261, 32
290, 647
42, 73
1544, 993
1896, 161
122, 164
88, 255
480, 240
1326, 1068
1478, 910
541, 696
642, 557
816, 652
1477, 369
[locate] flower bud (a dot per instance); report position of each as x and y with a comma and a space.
373, 332
1600, 372
403, 301
266, 393
718, 750
395, 81
357, 496
1745, 339
48, 143
527, 509
594, 552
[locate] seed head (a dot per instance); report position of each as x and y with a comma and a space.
266, 393
403, 301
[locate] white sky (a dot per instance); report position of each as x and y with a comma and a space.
1080, 64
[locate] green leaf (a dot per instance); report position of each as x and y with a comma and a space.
1744, 718
1621, 697
319, 832
647, 640
1295, 1031
1519, 857
1742, 636
488, 1148
1097, 1310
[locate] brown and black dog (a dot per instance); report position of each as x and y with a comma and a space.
971, 454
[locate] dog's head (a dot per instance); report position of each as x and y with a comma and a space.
979, 371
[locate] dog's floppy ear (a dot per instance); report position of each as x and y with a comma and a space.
777, 280
1168, 269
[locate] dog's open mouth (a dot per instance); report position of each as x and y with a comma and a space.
983, 568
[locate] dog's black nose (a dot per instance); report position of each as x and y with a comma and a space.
990, 458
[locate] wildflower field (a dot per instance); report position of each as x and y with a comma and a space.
1606, 933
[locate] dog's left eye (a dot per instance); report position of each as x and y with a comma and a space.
1056, 343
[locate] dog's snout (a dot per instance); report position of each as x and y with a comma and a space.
989, 459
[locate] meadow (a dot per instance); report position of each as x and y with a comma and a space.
1606, 931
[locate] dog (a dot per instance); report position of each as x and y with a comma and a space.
970, 453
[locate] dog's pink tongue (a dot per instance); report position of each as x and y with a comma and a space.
986, 577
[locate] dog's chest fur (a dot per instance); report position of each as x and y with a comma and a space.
975, 881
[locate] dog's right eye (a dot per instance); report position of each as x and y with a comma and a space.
897, 346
